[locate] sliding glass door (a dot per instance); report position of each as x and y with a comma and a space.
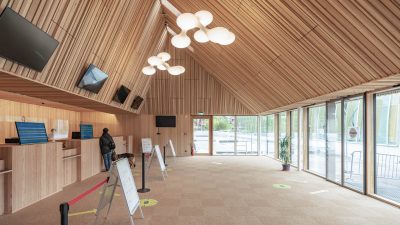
267, 135
282, 127
224, 131
246, 135
317, 140
334, 141
354, 143
387, 145
294, 137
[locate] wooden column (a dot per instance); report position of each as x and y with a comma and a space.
370, 144
305, 137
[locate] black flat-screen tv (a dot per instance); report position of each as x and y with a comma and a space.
137, 102
165, 121
93, 79
122, 94
23, 42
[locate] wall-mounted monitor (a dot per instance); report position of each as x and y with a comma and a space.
86, 131
93, 79
137, 102
31, 133
122, 94
23, 42
165, 121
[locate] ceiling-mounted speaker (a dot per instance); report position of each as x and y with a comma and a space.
137, 102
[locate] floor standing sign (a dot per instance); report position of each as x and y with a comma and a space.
160, 161
121, 172
147, 146
171, 146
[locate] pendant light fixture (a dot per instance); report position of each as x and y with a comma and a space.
200, 20
160, 62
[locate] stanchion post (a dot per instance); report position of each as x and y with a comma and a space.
143, 189
164, 157
64, 208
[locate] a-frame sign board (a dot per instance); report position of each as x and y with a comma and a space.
120, 173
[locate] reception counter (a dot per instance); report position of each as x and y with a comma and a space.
34, 174
30, 173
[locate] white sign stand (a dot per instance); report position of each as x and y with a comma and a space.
171, 146
123, 174
147, 146
161, 162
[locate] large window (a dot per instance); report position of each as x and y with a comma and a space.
387, 149
294, 137
282, 126
317, 140
246, 135
334, 141
353, 143
267, 135
224, 135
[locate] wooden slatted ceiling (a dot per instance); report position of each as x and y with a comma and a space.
117, 36
290, 51
193, 92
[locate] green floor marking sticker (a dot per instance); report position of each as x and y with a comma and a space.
147, 202
169, 169
281, 186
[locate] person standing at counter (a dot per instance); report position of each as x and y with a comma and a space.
107, 145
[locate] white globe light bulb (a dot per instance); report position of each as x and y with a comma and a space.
201, 36
176, 70
181, 40
165, 56
149, 70
187, 21
218, 34
205, 17
229, 40
154, 61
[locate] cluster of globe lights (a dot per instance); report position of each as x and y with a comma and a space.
160, 62
188, 21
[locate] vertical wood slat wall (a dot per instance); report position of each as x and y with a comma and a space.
117, 36
192, 92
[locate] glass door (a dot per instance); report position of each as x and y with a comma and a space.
201, 135
354, 143
334, 141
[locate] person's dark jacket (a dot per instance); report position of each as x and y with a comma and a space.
105, 142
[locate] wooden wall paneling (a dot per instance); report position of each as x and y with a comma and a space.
11, 111
91, 158
5, 180
111, 34
190, 93
35, 177
71, 166
120, 145
180, 135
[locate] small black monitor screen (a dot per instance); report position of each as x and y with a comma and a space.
23, 42
93, 80
165, 121
122, 94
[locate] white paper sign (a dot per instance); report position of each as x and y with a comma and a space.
172, 148
128, 185
147, 146
160, 158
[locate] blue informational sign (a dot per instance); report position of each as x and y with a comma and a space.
86, 131
31, 133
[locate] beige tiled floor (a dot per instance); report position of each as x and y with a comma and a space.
238, 191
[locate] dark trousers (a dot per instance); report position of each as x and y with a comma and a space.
107, 160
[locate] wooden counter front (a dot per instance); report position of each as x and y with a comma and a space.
35, 173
